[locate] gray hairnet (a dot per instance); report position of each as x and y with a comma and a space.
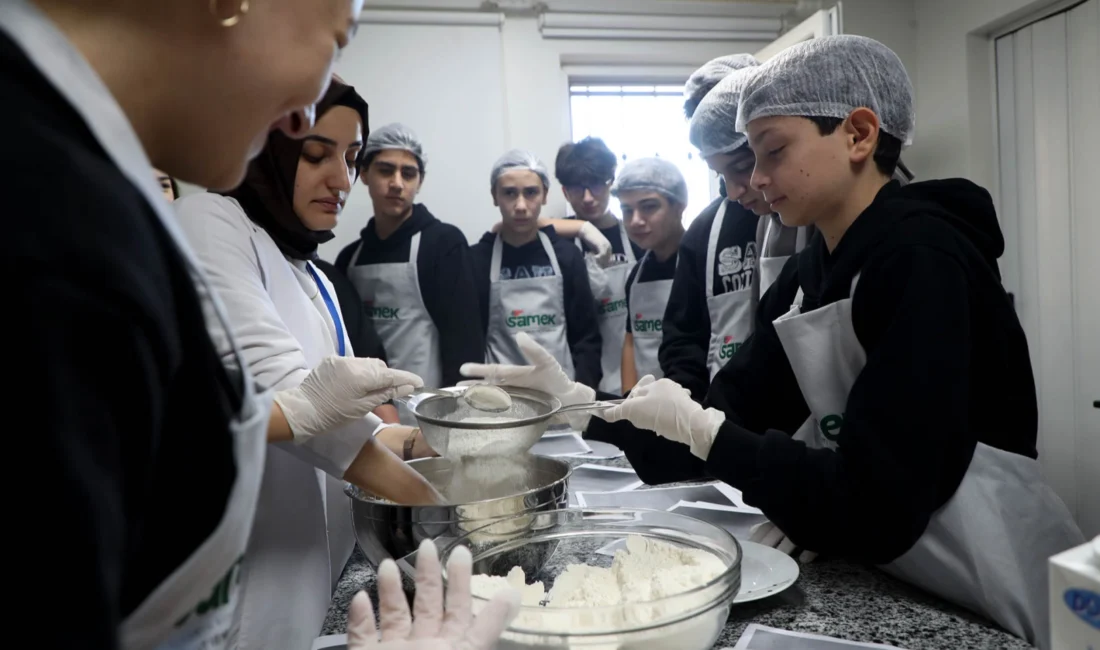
707, 77
653, 174
713, 128
395, 136
830, 77
521, 160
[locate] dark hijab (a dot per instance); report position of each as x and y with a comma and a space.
267, 193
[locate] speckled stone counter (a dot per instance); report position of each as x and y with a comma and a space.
831, 597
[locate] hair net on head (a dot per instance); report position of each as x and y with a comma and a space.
713, 128
395, 136
521, 160
700, 83
653, 174
830, 77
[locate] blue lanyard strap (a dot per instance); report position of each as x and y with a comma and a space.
332, 310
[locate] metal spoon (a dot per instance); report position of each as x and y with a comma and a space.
487, 398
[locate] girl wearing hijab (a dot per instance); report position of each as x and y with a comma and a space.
257, 243
152, 446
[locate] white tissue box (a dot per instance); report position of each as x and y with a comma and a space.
1075, 598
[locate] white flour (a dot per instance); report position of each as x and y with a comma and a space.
647, 570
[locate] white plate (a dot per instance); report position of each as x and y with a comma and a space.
765, 571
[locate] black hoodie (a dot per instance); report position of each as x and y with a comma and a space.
446, 282
947, 367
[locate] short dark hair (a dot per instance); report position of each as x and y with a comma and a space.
887, 151
367, 159
586, 162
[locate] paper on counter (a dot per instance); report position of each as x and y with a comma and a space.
561, 444
760, 637
737, 521
601, 451
597, 478
656, 498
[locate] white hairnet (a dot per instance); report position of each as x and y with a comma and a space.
707, 77
830, 77
395, 136
713, 128
653, 174
522, 160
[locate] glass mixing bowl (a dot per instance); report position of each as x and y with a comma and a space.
548, 542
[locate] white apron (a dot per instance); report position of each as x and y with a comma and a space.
731, 313
770, 263
396, 307
532, 305
609, 288
196, 606
986, 549
647, 304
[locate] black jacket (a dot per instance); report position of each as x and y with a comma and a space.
582, 326
947, 367
686, 339
446, 282
121, 407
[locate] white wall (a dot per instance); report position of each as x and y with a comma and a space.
472, 92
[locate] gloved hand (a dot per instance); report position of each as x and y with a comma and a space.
768, 534
544, 373
663, 406
592, 236
340, 390
433, 629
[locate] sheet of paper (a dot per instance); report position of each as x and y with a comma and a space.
602, 451
760, 637
656, 498
735, 495
561, 444
596, 478
738, 522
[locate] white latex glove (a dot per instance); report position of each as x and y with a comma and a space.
433, 628
544, 373
768, 534
341, 390
663, 406
592, 236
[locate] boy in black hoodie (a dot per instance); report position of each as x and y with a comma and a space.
884, 408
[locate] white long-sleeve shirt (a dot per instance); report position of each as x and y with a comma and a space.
302, 536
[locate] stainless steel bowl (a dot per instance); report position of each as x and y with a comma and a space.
388, 530
510, 433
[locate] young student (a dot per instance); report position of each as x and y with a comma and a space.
586, 170
532, 281
653, 195
888, 348
412, 270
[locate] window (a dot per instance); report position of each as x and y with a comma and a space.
641, 122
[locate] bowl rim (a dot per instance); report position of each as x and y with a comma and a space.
530, 393
734, 567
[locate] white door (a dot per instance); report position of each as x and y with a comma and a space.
1048, 87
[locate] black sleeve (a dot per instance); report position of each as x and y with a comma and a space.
686, 338
630, 280
449, 291
93, 384
480, 269
906, 423
582, 325
656, 460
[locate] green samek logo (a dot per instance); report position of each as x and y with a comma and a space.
609, 306
830, 426
519, 320
643, 325
728, 348
382, 313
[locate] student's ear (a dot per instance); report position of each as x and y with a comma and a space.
493, 193
861, 130
546, 197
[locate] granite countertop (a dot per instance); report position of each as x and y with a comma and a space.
832, 597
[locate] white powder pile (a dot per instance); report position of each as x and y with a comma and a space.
647, 570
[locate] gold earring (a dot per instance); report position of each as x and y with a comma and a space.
232, 20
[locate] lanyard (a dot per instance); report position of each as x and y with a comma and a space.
332, 310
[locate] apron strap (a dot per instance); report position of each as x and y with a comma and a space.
798, 297
494, 264
358, 252
414, 249
549, 248
332, 310
712, 245
628, 249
